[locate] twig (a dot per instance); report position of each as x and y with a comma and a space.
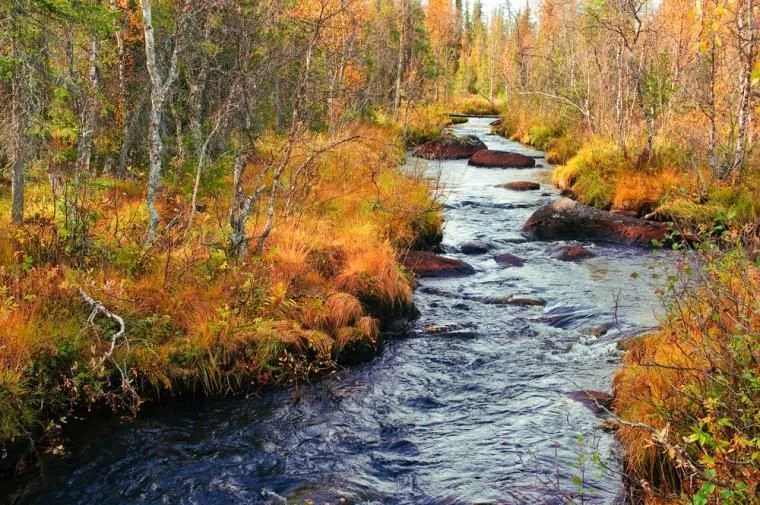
99, 308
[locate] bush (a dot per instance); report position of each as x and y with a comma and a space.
559, 150
642, 192
688, 393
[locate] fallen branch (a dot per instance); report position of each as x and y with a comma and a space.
99, 308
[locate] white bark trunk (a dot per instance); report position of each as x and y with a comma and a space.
159, 91
84, 149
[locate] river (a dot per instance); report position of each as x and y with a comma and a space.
476, 405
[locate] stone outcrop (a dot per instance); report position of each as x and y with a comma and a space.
567, 219
427, 264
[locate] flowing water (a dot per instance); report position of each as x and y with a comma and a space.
477, 405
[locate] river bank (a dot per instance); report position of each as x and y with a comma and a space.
95, 321
477, 405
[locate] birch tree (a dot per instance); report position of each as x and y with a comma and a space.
160, 84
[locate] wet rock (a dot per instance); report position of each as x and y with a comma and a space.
508, 260
450, 148
526, 301
495, 124
461, 306
522, 300
570, 253
598, 402
514, 239
567, 219
546, 193
520, 186
475, 247
427, 264
397, 327
599, 330
501, 159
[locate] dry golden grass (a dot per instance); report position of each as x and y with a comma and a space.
198, 321
643, 192
345, 309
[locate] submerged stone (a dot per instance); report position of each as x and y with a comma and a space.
520, 186
508, 260
475, 247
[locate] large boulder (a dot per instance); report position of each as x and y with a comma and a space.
520, 186
427, 264
501, 159
566, 219
450, 148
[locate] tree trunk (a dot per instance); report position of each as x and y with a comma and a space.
400, 60
84, 149
746, 35
713, 159
158, 93
19, 135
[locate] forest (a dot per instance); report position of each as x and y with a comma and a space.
215, 198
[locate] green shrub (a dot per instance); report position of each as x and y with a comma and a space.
592, 173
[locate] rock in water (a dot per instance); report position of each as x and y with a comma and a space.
427, 264
526, 301
567, 219
475, 247
508, 260
450, 148
570, 253
501, 159
520, 186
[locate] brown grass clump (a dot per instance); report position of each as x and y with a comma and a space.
642, 192
345, 309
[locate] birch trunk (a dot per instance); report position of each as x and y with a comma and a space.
84, 149
400, 61
746, 35
158, 94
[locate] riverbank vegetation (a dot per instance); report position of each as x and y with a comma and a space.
649, 109
204, 198
687, 394
201, 198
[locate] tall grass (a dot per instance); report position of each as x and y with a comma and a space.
200, 322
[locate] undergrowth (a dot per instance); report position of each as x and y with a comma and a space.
688, 393
198, 320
